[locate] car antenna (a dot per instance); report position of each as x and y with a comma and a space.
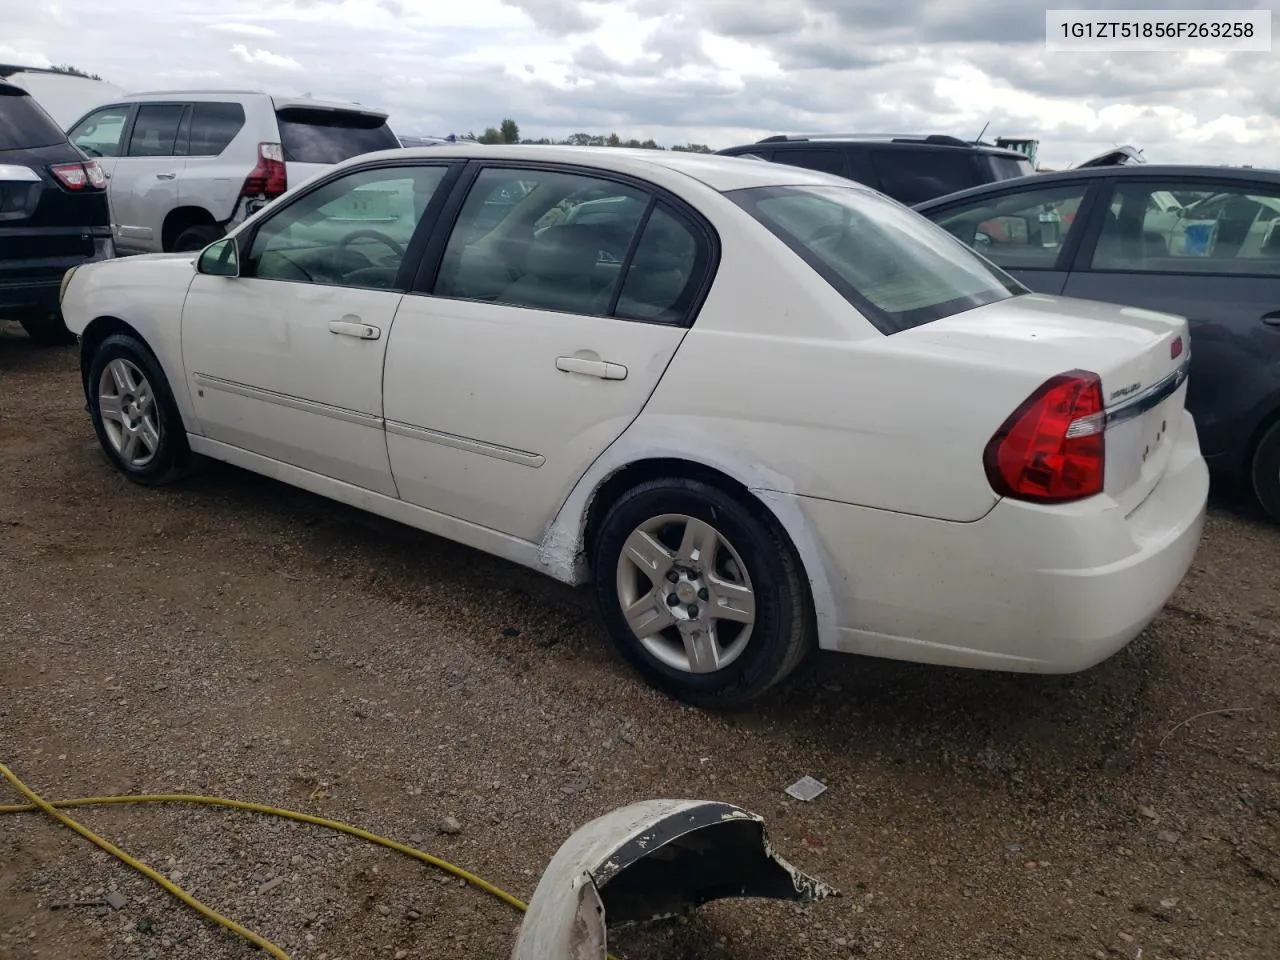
984, 130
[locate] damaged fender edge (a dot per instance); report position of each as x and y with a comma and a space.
649, 860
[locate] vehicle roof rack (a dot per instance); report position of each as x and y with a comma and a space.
938, 139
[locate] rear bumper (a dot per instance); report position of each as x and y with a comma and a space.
32, 285
1025, 589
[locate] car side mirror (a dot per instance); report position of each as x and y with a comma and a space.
220, 259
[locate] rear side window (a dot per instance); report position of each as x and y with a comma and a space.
893, 265
23, 123
155, 131
331, 136
824, 161
916, 175
213, 126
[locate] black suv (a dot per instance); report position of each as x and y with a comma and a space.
910, 169
53, 214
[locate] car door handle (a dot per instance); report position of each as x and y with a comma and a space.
592, 368
165, 176
361, 331
1272, 319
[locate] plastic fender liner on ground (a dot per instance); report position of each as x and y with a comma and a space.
710, 851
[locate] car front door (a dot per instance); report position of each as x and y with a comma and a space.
536, 339
1212, 256
285, 359
1030, 231
144, 184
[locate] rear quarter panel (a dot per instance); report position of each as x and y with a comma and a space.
147, 294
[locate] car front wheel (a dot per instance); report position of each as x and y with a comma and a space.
133, 412
704, 596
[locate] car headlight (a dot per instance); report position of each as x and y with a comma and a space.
66, 279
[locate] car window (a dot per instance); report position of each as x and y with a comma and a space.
825, 161
918, 174
1168, 228
666, 272
349, 232
331, 136
1023, 230
213, 126
23, 123
99, 134
899, 269
542, 239
155, 132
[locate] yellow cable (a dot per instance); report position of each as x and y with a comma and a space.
52, 809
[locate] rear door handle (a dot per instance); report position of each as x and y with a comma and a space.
361, 331
592, 368
1272, 319
165, 176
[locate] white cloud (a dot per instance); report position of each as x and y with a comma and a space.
265, 58
243, 29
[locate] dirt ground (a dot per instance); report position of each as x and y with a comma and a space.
237, 637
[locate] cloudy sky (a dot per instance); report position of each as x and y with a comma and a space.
712, 71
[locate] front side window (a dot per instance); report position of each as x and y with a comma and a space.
101, 132
1024, 230
1169, 228
350, 232
895, 266
155, 132
542, 239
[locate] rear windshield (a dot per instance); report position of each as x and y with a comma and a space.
897, 268
1007, 168
329, 136
23, 124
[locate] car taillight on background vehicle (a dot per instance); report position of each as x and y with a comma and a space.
1053, 448
268, 178
80, 176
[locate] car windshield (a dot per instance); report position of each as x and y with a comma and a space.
893, 265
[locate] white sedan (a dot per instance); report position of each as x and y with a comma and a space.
762, 409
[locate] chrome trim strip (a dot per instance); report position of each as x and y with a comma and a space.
522, 457
17, 173
1153, 396
286, 400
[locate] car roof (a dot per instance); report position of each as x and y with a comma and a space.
720, 173
895, 141
279, 102
1148, 171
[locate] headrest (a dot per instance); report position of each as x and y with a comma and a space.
562, 251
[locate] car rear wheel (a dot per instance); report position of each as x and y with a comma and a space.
1265, 472
133, 412
47, 329
197, 238
702, 595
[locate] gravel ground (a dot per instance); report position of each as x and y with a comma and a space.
234, 636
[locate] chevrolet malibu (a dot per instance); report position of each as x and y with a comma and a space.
760, 409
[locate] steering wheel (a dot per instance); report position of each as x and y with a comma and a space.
354, 235
380, 278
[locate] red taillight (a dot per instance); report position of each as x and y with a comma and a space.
268, 178
79, 176
1175, 348
1053, 448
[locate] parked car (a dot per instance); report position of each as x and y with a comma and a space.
53, 214
763, 409
909, 168
187, 165
1197, 241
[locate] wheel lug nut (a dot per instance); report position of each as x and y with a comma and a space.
672, 599
672, 576
693, 610
702, 594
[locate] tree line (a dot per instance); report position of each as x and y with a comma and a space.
508, 131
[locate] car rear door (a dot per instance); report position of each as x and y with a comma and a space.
532, 341
1214, 260
144, 183
1015, 227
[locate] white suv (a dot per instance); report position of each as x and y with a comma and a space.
184, 166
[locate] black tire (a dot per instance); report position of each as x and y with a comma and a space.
172, 457
47, 329
197, 238
1264, 472
783, 632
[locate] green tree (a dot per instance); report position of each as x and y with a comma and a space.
509, 131
73, 71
